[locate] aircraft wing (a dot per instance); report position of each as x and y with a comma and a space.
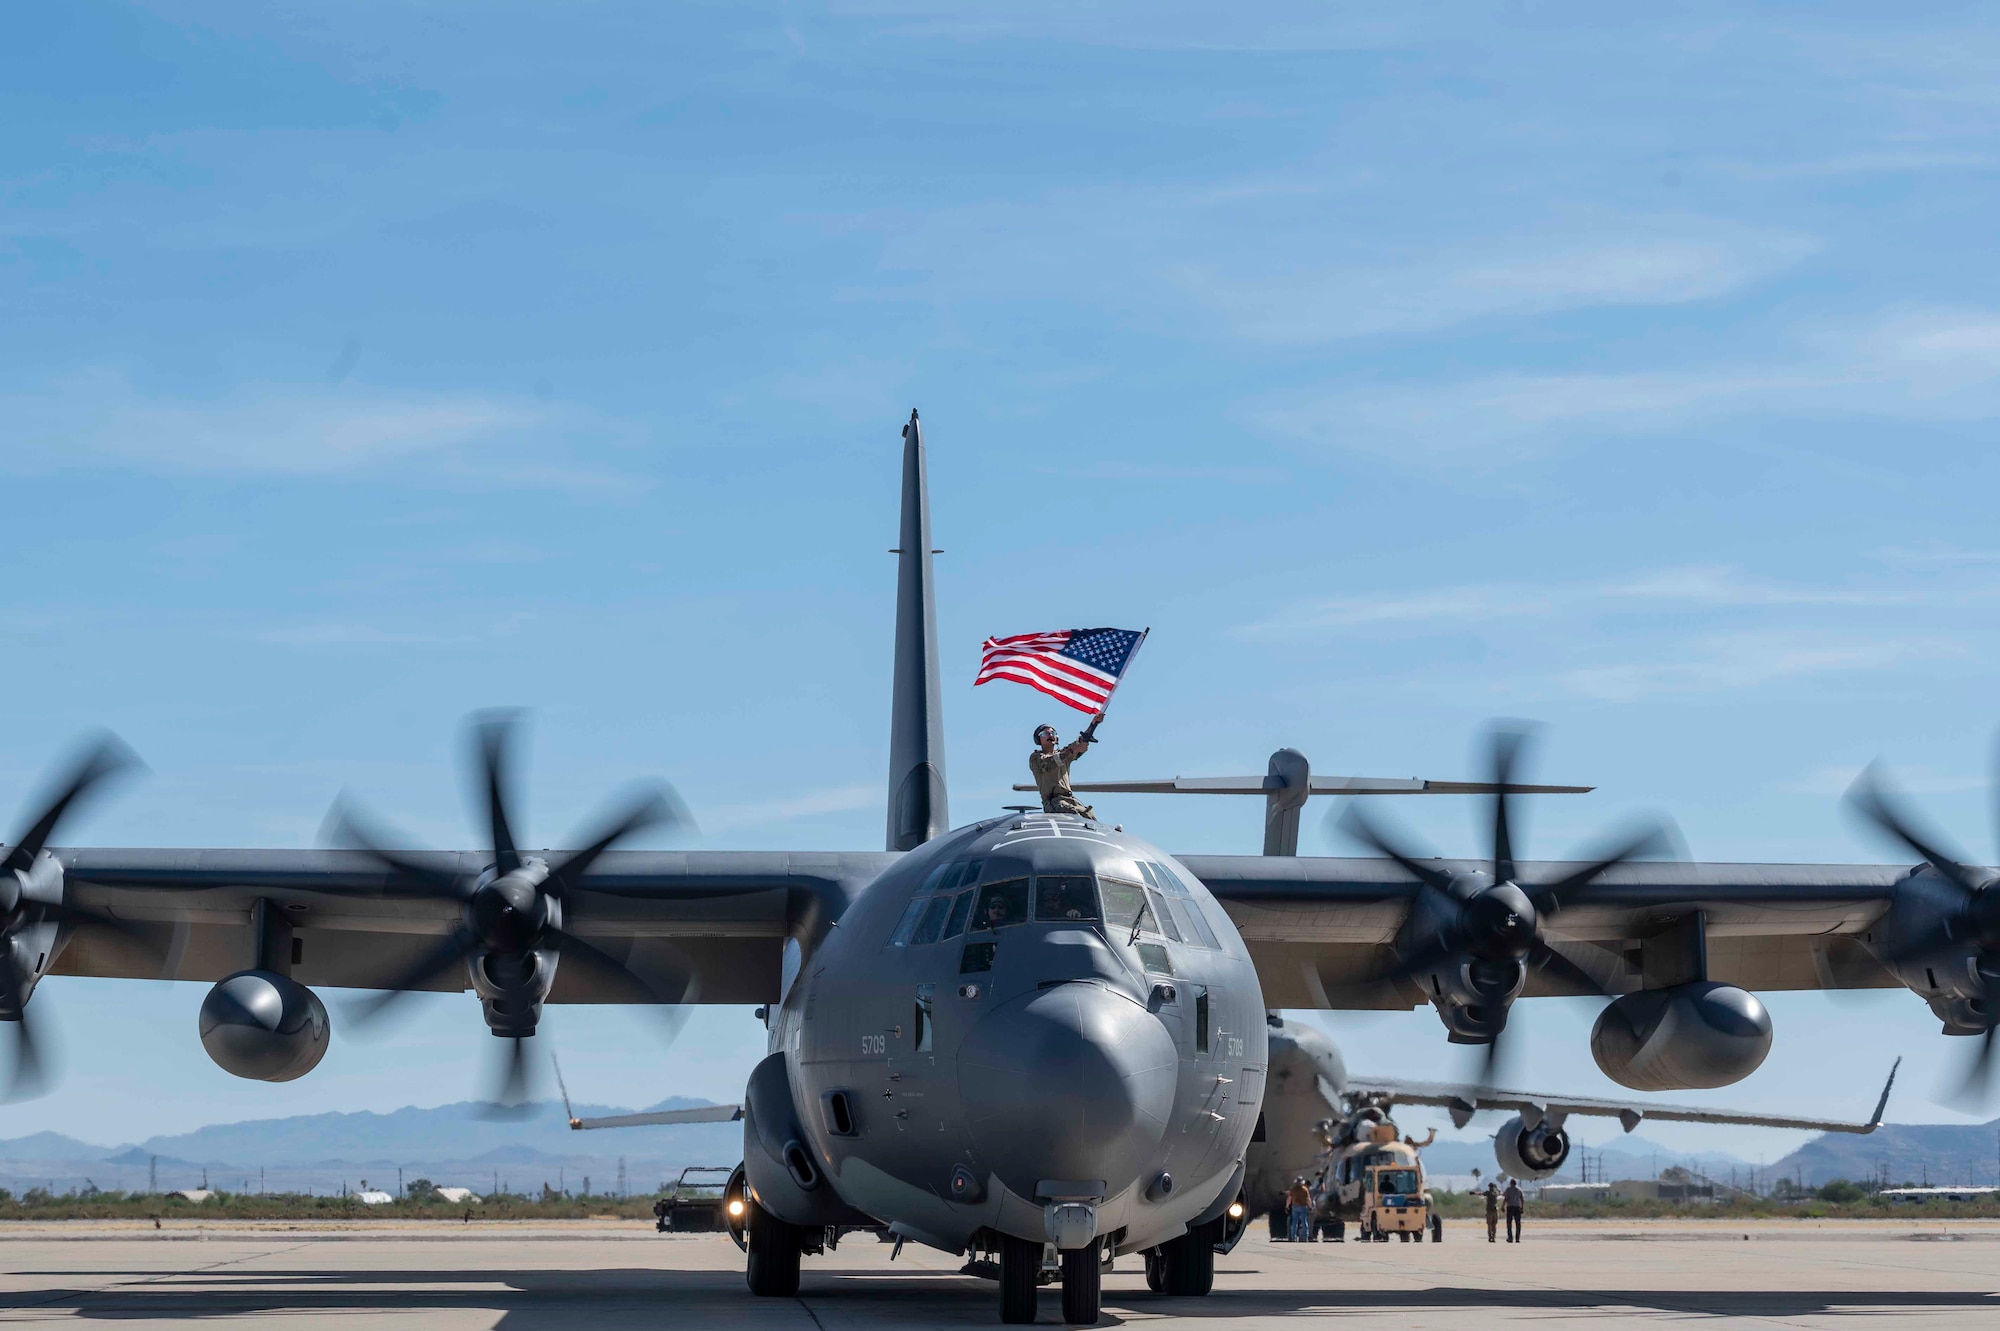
1319, 928
715, 922
1464, 1102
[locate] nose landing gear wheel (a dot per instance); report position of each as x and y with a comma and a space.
1189, 1261
1082, 1284
1156, 1270
774, 1246
1020, 1271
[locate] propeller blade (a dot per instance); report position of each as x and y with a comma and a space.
1976, 1090
494, 733
101, 760
509, 1099
1549, 899
1870, 798
622, 979
1543, 957
1362, 828
27, 1078
347, 828
652, 808
455, 947
1507, 741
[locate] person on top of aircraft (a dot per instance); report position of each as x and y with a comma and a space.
1051, 768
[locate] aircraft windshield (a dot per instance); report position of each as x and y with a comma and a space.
1397, 1180
1071, 897
1123, 903
1001, 904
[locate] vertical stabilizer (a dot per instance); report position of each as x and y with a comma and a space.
916, 726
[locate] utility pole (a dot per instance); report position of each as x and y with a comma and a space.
153, 1174
621, 1176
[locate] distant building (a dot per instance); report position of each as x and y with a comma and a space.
193, 1194
458, 1196
1672, 1186
373, 1197
1939, 1194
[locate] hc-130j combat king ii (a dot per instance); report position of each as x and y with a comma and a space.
1037, 1037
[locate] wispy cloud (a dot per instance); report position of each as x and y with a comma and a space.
98, 418
1621, 265
813, 803
1916, 365
1741, 661
1692, 586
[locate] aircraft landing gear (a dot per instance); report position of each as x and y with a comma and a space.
1082, 1284
1187, 1264
1020, 1277
1437, 1229
774, 1248
1278, 1224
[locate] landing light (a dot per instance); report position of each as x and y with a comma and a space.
1236, 1210
735, 1207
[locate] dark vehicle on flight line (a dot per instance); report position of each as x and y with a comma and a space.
1038, 1038
695, 1202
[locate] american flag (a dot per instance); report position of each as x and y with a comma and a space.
1076, 666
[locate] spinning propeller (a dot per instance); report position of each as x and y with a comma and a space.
1973, 916
1490, 922
517, 911
99, 761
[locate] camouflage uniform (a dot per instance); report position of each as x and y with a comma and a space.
1052, 778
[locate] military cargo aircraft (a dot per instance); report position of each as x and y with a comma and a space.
1037, 1037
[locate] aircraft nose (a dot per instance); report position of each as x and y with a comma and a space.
1070, 1082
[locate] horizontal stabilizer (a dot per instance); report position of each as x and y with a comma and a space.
1321, 785
705, 1114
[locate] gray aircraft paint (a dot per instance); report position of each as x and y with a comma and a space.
1066, 1061
917, 804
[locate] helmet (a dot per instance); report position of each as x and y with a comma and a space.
1044, 730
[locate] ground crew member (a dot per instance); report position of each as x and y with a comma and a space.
1300, 1201
1492, 1211
1515, 1201
1051, 768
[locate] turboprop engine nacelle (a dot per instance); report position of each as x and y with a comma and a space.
264, 1026
1687, 1037
1530, 1153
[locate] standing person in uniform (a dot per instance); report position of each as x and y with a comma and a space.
1492, 1211
1051, 768
1300, 1203
1516, 1202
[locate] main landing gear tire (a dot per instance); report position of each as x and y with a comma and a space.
1336, 1230
1082, 1284
1156, 1271
1278, 1225
1437, 1229
1020, 1273
1188, 1262
774, 1247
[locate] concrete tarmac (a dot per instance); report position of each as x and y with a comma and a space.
606, 1274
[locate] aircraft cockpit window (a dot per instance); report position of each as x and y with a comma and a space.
1065, 897
961, 909
1182, 907
1161, 918
931, 926
908, 924
1001, 904
1123, 904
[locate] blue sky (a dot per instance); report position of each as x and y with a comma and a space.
1634, 373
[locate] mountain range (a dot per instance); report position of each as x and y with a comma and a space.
448, 1144
453, 1144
